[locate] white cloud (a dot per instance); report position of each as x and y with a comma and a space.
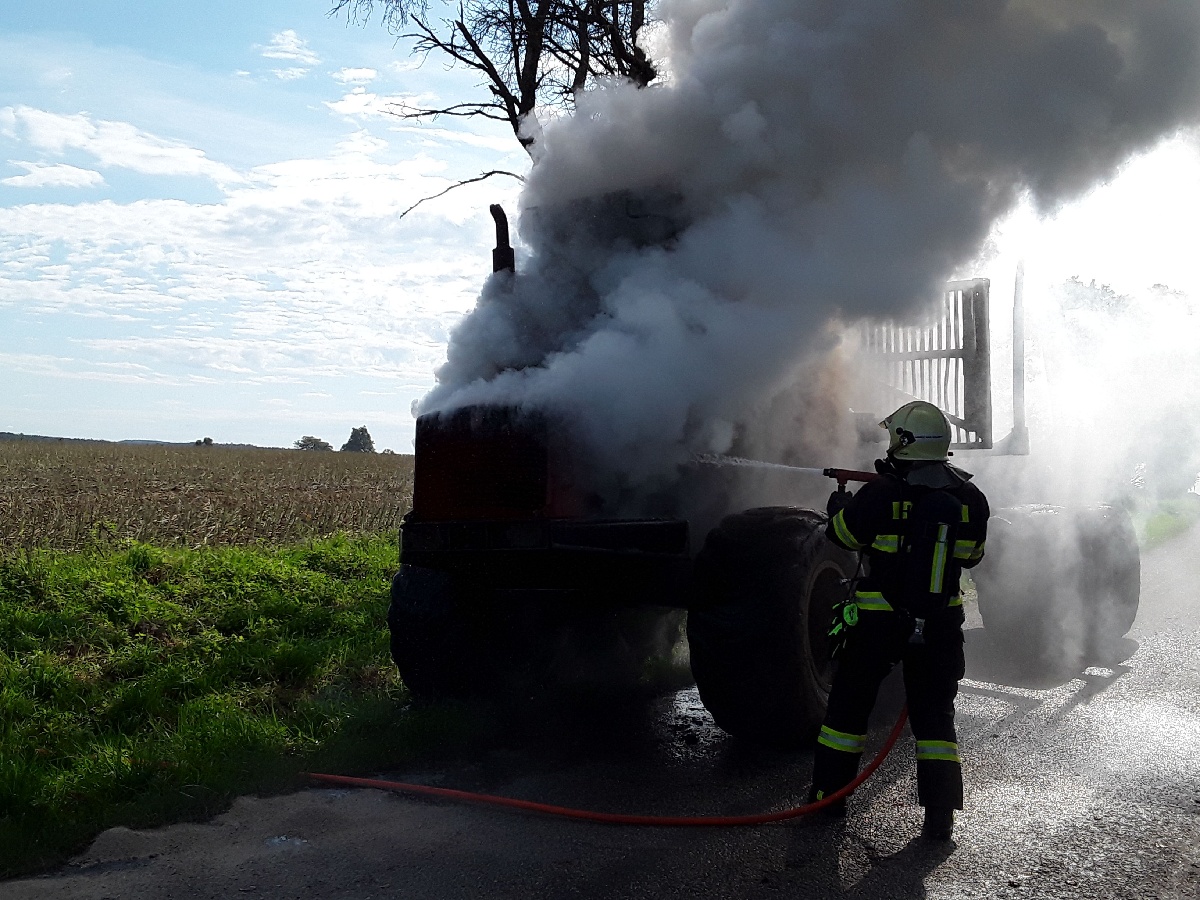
361, 103
48, 366
350, 185
290, 46
56, 77
401, 66
61, 175
360, 142
355, 76
290, 74
114, 144
304, 274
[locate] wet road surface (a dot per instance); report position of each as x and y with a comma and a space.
1084, 785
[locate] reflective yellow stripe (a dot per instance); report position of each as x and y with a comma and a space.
949, 746
872, 600
937, 577
844, 534
956, 600
968, 550
841, 740
944, 750
887, 543
966, 513
900, 511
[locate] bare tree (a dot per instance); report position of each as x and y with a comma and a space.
530, 54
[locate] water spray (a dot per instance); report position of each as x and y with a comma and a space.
841, 475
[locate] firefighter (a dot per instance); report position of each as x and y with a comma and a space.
919, 525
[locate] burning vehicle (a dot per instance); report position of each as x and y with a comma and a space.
520, 572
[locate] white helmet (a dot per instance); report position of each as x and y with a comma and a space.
918, 431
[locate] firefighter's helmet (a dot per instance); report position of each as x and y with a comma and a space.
918, 431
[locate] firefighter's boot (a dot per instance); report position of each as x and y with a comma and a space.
835, 810
939, 823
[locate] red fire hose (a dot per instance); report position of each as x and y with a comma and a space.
621, 818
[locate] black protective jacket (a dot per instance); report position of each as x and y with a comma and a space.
875, 521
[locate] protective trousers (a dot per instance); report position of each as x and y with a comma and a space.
932, 670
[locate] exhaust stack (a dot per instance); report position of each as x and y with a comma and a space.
503, 258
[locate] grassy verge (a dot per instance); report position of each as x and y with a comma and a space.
1169, 519
147, 685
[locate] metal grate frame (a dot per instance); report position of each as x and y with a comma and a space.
945, 361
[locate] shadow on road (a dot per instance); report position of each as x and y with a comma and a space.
902, 875
827, 860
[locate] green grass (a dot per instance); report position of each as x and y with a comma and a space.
1169, 519
149, 685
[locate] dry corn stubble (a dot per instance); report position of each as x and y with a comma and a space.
73, 494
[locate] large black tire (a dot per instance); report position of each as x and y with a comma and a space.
438, 649
1059, 587
766, 583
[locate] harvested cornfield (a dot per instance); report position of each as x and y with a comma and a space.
67, 495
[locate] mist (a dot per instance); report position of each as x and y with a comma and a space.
1113, 395
694, 250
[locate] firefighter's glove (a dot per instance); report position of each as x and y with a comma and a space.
845, 617
838, 501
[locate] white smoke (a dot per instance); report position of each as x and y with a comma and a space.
691, 245
1113, 393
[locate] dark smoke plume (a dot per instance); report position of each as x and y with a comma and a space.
809, 162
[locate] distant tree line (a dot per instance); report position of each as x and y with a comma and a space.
308, 442
360, 441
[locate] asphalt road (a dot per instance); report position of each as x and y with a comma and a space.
1085, 785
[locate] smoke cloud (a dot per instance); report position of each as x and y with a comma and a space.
1113, 394
694, 247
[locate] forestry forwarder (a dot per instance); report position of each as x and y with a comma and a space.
511, 582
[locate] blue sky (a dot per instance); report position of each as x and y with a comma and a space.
199, 230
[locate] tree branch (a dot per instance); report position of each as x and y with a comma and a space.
462, 183
464, 110
499, 87
529, 54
